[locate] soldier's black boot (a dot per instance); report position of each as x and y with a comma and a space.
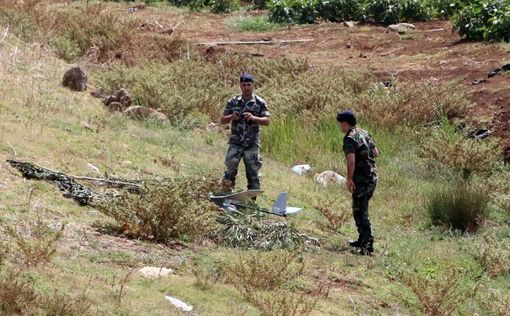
355, 243
367, 249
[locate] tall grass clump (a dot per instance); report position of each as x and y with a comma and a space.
177, 208
461, 206
252, 23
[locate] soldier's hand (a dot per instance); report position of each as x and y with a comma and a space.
351, 187
235, 116
248, 116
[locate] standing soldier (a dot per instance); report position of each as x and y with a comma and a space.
360, 154
246, 112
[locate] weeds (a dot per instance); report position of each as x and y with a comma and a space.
440, 295
257, 270
461, 155
18, 296
262, 278
460, 206
334, 212
496, 302
35, 242
206, 274
493, 254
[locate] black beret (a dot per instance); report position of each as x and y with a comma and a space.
347, 116
246, 78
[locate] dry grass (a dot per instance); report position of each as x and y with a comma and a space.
334, 211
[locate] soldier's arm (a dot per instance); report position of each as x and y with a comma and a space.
259, 120
349, 148
263, 119
228, 114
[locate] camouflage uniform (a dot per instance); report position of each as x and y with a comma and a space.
244, 140
359, 142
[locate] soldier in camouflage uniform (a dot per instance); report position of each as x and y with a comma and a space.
246, 112
360, 153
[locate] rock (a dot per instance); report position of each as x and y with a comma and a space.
154, 272
401, 28
348, 45
75, 79
142, 112
349, 24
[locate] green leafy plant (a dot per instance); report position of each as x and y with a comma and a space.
488, 20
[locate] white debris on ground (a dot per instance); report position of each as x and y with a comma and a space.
301, 169
179, 304
154, 272
327, 177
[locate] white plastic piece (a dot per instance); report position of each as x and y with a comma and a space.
301, 169
179, 304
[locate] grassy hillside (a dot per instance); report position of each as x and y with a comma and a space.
418, 267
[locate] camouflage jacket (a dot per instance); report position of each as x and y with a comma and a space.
242, 132
359, 142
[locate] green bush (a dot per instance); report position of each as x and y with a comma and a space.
443, 8
460, 205
224, 6
340, 10
392, 11
261, 4
293, 11
488, 20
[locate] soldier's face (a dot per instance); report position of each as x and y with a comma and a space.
344, 126
247, 88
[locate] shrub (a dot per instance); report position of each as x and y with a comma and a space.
488, 20
462, 155
18, 296
34, 241
261, 4
289, 11
392, 11
443, 8
224, 6
460, 206
493, 254
263, 279
411, 104
175, 208
440, 295
340, 10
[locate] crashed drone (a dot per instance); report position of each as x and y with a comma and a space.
233, 202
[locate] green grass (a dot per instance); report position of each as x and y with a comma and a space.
251, 23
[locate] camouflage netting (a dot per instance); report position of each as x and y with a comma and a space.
65, 183
248, 228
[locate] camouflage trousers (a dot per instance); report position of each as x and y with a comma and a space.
252, 164
360, 199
